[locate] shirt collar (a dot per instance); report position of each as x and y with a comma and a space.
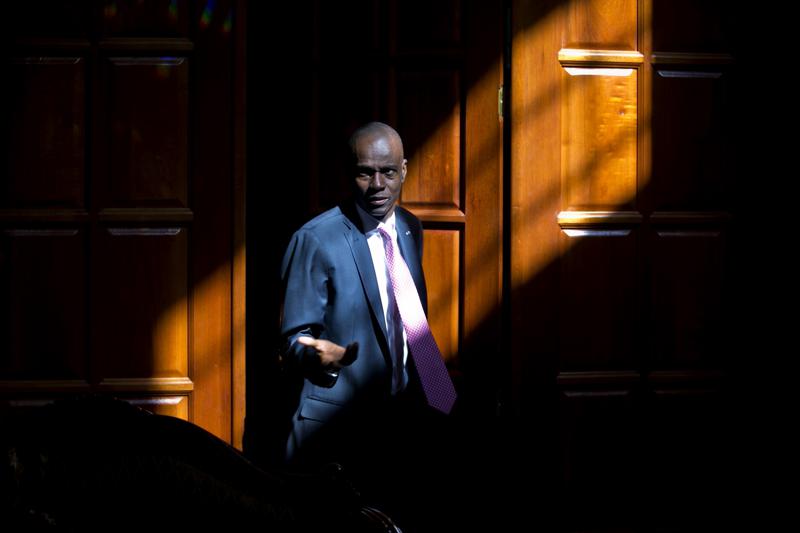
371, 224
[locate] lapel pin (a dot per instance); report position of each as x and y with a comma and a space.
408, 232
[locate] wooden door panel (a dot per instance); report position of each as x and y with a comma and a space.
689, 292
43, 299
599, 441
599, 138
141, 322
442, 273
47, 132
599, 300
147, 131
689, 138
428, 111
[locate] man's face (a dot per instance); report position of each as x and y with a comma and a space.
380, 171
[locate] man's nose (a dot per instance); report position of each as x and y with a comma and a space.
378, 181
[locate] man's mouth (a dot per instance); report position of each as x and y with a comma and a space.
377, 201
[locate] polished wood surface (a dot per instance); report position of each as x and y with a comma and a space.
485, 358
620, 222
239, 265
535, 198
599, 141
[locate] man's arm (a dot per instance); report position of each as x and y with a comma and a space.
304, 272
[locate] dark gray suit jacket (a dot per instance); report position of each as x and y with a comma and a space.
330, 292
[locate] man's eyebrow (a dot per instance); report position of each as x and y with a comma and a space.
379, 169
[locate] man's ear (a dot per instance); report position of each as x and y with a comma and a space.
404, 170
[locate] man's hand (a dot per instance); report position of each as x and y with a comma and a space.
331, 355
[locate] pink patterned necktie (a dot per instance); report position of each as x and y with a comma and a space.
436, 382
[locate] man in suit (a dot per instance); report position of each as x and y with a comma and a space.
362, 403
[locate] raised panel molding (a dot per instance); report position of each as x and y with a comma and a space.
38, 386
690, 58
177, 384
144, 214
43, 215
583, 57
177, 406
52, 45
147, 44
429, 213
685, 376
701, 218
581, 219
597, 378
41, 232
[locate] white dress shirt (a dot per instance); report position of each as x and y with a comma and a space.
398, 344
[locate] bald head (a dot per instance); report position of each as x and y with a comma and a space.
379, 168
376, 131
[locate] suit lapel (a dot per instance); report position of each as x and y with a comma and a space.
366, 271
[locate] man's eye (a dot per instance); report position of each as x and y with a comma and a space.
389, 173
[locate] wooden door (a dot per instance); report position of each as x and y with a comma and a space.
121, 255
621, 209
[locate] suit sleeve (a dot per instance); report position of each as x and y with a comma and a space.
304, 274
